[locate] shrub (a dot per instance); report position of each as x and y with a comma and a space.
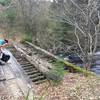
57, 73
5, 2
27, 37
10, 14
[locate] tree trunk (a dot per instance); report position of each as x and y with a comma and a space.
88, 61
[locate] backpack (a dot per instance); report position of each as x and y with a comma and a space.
5, 57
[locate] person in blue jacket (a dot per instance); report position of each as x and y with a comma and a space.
3, 43
3, 56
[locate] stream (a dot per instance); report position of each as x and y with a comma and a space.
96, 67
96, 62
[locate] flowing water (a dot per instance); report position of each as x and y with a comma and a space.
96, 62
96, 67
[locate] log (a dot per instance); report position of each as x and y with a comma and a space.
70, 65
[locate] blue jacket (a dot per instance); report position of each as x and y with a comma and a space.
2, 42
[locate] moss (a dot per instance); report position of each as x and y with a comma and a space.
77, 68
26, 37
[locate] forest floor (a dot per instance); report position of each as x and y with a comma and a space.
73, 87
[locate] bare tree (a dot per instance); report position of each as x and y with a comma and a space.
84, 16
